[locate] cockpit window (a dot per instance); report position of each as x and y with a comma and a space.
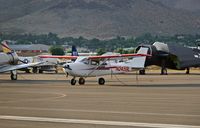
94, 62
85, 61
104, 63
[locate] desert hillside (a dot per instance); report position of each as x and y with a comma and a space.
100, 18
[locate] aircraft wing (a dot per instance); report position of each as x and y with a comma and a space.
59, 57
6, 68
117, 56
95, 57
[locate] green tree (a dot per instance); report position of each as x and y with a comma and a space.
57, 50
100, 51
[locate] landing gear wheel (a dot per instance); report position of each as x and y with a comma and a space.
81, 81
73, 81
34, 70
56, 71
27, 71
13, 75
142, 72
101, 81
40, 71
187, 71
164, 71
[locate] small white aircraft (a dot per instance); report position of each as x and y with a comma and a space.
94, 66
9, 61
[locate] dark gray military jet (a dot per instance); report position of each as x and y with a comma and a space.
172, 56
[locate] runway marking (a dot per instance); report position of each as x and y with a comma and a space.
60, 95
99, 111
94, 122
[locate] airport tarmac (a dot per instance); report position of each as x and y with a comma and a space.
147, 101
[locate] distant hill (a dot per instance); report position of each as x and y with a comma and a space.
100, 18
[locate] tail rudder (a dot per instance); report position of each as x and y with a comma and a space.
5, 47
139, 62
74, 51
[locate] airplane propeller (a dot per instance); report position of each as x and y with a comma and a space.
67, 66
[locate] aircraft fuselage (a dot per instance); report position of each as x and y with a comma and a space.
80, 69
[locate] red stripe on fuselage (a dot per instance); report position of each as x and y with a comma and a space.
101, 68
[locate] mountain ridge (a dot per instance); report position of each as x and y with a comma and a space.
99, 18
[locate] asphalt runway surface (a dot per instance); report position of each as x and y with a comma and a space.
139, 101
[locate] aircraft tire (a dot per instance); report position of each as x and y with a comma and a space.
101, 81
27, 71
187, 71
40, 71
81, 81
142, 72
34, 70
73, 81
13, 76
164, 71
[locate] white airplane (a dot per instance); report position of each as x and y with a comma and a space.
9, 61
94, 66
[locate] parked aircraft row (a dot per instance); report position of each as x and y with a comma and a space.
171, 56
82, 67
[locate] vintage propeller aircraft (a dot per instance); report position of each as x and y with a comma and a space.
9, 61
94, 66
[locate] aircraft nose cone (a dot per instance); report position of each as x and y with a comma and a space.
67, 67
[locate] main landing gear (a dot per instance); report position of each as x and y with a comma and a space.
81, 81
142, 72
163, 71
101, 81
35, 70
13, 75
73, 81
187, 71
163, 67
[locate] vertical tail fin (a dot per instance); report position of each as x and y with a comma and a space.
5, 47
139, 62
74, 51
